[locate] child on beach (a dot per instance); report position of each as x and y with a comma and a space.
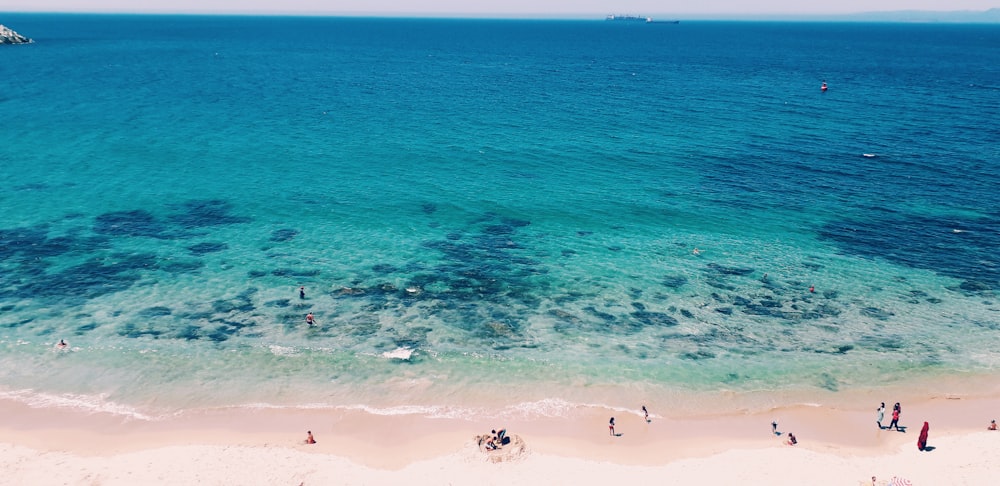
993, 425
611, 426
791, 439
309, 437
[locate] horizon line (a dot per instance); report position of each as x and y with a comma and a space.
941, 17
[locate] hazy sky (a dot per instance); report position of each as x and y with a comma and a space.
493, 7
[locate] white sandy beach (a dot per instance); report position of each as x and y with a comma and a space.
836, 447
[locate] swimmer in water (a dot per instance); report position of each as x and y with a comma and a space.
310, 320
62, 344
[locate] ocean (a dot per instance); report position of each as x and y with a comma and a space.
518, 214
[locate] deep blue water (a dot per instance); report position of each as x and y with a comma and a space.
515, 203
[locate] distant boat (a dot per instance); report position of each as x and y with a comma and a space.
639, 18
628, 18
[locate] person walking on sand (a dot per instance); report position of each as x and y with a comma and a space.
646, 413
309, 437
895, 419
611, 426
879, 415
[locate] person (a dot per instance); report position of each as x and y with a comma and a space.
812, 288
791, 439
922, 440
302, 292
500, 436
774, 427
823, 87
309, 437
696, 251
993, 425
310, 320
646, 413
62, 344
895, 419
879, 415
873, 480
611, 426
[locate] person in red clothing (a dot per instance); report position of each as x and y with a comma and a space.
309, 437
895, 419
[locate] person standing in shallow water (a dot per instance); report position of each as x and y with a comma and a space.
879, 415
302, 292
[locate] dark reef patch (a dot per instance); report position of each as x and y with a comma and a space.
131, 223
207, 247
951, 246
205, 213
181, 266
729, 271
675, 281
284, 234
294, 272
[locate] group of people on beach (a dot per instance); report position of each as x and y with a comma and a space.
496, 439
880, 415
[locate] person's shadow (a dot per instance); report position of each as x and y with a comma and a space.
901, 429
929, 448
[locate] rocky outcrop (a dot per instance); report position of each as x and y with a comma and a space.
8, 36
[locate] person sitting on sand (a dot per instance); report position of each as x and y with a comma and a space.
791, 439
491, 444
500, 436
309, 437
993, 425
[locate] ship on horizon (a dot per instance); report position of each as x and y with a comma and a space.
638, 18
628, 18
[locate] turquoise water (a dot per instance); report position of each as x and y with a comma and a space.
490, 212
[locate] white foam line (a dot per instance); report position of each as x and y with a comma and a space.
86, 403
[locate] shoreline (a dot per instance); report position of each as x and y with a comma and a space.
381, 448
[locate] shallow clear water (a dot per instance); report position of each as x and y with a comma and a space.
514, 205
